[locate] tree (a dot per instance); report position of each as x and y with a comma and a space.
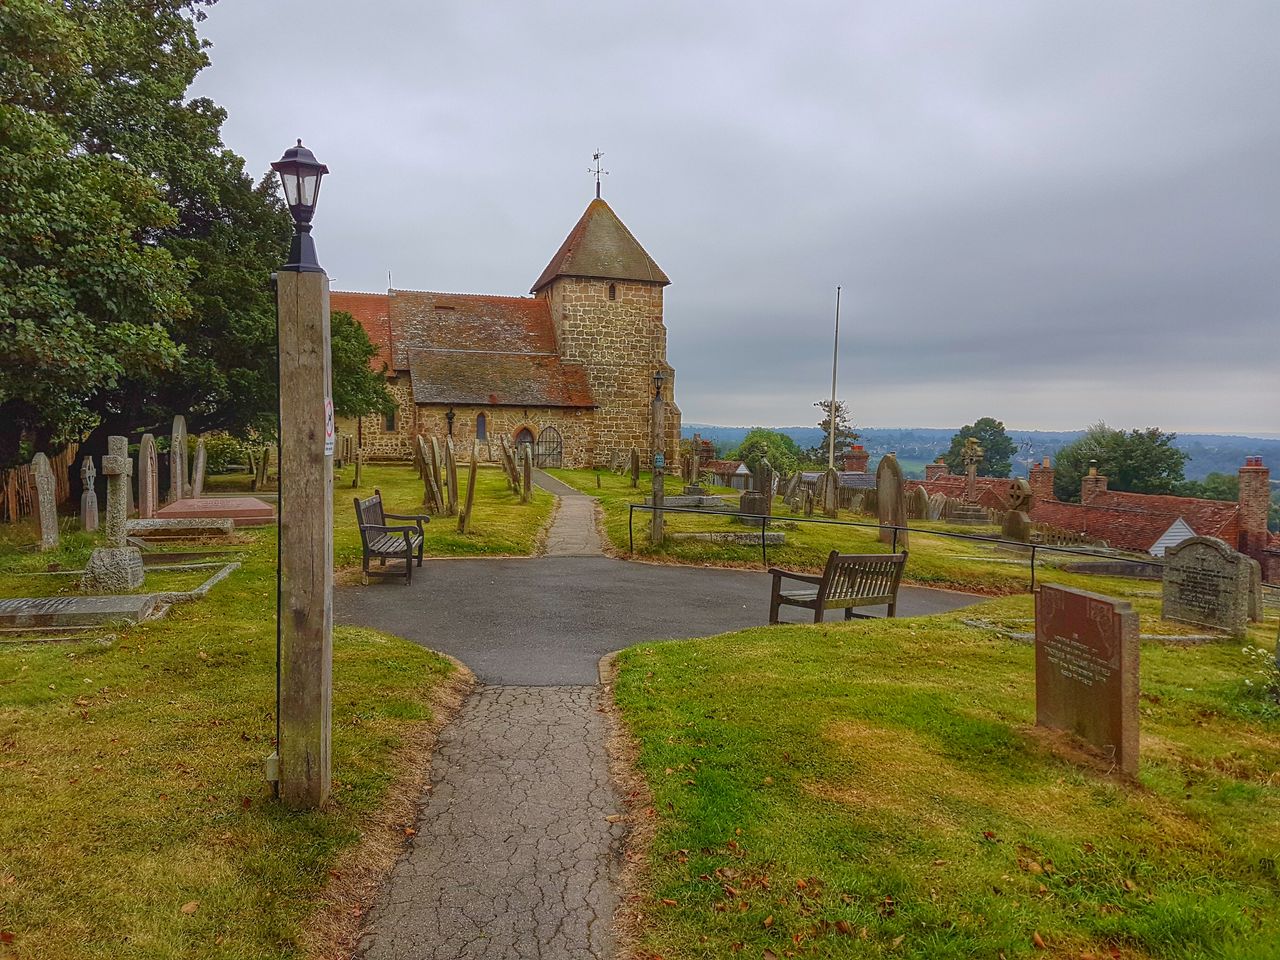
1215, 486
1140, 461
358, 389
782, 452
845, 435
998, 449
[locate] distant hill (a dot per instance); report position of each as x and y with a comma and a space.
916, 446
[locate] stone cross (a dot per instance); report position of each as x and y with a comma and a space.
971, 457
197, 472
116, 567
46, 502
178, 485
148, 479
89, 498
117, 468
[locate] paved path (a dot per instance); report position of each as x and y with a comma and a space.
515, 856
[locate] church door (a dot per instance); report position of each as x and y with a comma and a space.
549, 451
523, 439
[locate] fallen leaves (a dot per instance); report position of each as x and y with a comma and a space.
190, 907
1037, 941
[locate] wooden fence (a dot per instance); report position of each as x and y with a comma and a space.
18, 486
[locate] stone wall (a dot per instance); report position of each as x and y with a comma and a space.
621, 343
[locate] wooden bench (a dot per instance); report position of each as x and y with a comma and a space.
384, 542
849, 580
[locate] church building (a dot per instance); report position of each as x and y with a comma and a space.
569, 369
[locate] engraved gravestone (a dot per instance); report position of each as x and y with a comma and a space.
1207, 583
178, 484
1087, 671
89, 498
46, 501
197, 471
830, 492
148, 478
891, 508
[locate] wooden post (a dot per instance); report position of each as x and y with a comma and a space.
306, 540
464, 517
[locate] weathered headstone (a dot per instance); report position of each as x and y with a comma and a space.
451, 472
891, 508
464, 516
148, 478
806, 498
635, 467
197, 471
830, 492
1016, 526
46, 501
918, 503
116, 567
264, 469
1087, 671
526, 478
763, 478
89, 498
179, 486
432, 498
1207, 583
937, 505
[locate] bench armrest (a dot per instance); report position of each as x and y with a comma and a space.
408, 516
807, 578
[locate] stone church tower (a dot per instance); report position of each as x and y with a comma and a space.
605, 296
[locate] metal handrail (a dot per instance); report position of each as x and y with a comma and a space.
764, 547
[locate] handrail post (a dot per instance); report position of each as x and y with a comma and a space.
1033, 568
894, 547
764, 549
631, 530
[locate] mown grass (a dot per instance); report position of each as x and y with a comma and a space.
934, 560
131, 779
879, 789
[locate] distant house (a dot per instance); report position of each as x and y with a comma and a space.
730, 473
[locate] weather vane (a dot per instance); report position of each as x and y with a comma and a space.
598, 170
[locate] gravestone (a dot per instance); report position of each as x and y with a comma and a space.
148, 478
526, 479
693, 475
789, 495
891, 508
937, 505
464, 515
264, 470
763, 478
918, 503
431, 496
635, 467
116, 567
197, 472
1087, 671
972, 455
179, 486
46, 502
89, 498
451, 473
806, 498
1208, 584
1016, 526
830, 492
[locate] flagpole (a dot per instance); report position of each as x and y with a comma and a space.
831, 413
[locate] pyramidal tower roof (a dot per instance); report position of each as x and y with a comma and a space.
601, 247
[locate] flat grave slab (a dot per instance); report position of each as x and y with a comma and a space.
242, 511
74, 611
181, 527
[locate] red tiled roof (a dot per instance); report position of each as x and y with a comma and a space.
423, 320
1209, 518
1136, 530
370, 311
992, 491
600, 245
503, 379
722, 466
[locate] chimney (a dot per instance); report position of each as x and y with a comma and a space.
932, 471
855, 461
1255, 502
1041, 481
1093, 484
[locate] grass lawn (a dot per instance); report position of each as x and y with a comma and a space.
934, 561
134, 818
879, 789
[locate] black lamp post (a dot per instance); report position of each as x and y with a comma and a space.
659, 378
300, 175
449, 417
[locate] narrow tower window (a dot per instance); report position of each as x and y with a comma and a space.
481, 428
613, 291
389, 422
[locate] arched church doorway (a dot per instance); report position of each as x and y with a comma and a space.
549, 451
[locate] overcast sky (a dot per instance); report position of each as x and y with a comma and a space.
1047, 212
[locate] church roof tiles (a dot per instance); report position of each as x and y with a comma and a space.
601, 246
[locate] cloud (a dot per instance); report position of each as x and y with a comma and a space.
1050, 213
